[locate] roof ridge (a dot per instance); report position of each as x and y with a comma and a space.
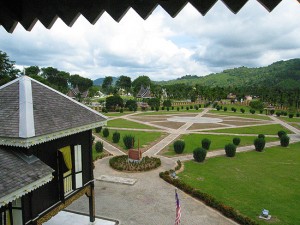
67, 97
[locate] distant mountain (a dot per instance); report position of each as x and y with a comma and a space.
99, 81
282, 74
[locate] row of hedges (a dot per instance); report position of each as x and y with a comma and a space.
208, 200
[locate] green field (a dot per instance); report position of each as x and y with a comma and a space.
144, 138
122, 123
239, 114
271, 129
287, 119
217, 142
253, 181
115, 114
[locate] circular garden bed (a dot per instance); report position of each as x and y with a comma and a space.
121, 163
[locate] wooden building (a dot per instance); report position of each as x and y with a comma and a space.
45, 152
144, 92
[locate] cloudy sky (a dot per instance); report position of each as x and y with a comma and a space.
162, 47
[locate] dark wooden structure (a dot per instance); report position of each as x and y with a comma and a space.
28, 12
45, 152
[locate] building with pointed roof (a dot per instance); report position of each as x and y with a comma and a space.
45, 152
144, 92
75, 92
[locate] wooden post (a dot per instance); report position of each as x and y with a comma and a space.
92, 202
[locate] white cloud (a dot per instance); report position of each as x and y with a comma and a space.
162, 47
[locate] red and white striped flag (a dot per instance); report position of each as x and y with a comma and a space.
178, 209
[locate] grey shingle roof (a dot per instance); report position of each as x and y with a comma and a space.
15, 173
52, 111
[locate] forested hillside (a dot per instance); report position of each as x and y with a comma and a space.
281, 74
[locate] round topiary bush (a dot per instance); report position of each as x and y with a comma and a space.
191, 107
168, 109
225, 109
285, 141
128, 141
199, 154
252, 111
177, 108
123, 164
172, 107
230, 150
206, 143
234, 109
99, 146
152, 108
297, 114
261, 136
242, 110
98, 129
236, 141
291, 115
105, 132
218, 108
116, 137
196, 107
278, 114
156, 108
121, 110
259, 144
187, 108
162, 108
281, 133
179, 146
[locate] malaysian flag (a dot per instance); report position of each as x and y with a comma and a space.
178, 209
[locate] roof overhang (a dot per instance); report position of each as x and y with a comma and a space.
28, 142
24, 190
28, 12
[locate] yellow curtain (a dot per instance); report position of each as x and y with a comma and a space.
66, 151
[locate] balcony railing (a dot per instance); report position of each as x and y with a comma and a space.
68, 187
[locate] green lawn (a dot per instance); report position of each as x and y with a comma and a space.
163, 112
253, 181
239, 114
122, 123
238, 107
217, 142
271, 129
287, 119
145, 138
115, 114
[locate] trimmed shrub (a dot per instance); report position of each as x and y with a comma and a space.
234, 109
187, 108
172, 107
116, 137
261, 111
284, 113
196, 107
236, 141
291, 115
105, 132
181, 107
179, 146
199, 154
157, 108
162, 108
168, 109
242, 110
281, 133
285, 141
177, 108
121, 110
297, 114
272, 111
128, 141
152, 108
252, 111
225, 109
259, 144
278, 114
218, 108
206, 143
99, 146
261, 136
199, 105
230, 150
98, 129
191, 107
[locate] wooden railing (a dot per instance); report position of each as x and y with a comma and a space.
68, 187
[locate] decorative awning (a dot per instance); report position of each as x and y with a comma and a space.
28, 12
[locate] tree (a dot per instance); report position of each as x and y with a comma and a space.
82, 82
32, 71
107, 84
93, 91
112, 102
8, 71
138, 82
124, 82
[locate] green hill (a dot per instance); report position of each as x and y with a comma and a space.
282, 74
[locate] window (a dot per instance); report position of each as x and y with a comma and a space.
70, 167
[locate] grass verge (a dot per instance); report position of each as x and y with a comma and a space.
127, 124
252, 181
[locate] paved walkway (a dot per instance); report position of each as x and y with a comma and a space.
150, 201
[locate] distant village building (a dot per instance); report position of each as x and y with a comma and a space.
45, 152
75, 93
144, 92
231, 97
164, 94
